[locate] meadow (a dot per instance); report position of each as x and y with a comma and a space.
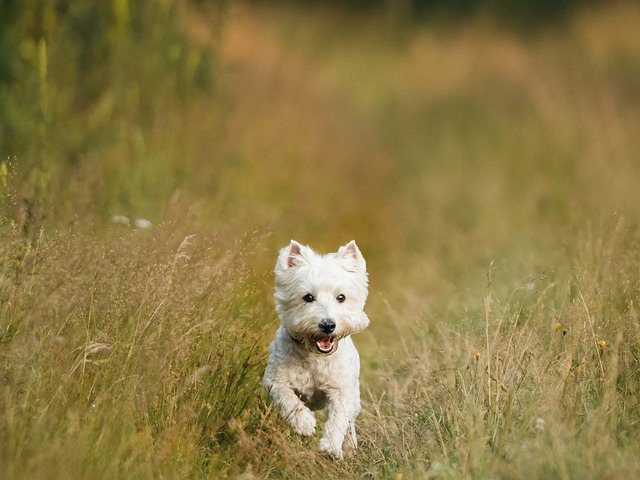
490, 177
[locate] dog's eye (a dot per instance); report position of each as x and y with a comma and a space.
341, 298
308, 298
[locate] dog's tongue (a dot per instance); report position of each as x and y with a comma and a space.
324, 344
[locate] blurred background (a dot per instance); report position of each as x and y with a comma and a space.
449, 131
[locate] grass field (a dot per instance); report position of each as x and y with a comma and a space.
490, 178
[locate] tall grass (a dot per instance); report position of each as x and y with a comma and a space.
125, 355
490, 180
539, 390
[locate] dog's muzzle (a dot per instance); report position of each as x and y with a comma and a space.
325, 345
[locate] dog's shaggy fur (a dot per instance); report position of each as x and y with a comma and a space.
313, 363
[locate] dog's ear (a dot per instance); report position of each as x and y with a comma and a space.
293, 255
351, 257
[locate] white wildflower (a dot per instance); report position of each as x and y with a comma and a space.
142, 223
121, 220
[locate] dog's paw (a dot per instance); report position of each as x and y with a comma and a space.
330, 449
303, 422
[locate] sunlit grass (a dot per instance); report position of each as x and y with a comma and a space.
491, 182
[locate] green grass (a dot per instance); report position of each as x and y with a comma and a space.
490, 179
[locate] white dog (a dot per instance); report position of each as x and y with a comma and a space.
313, 363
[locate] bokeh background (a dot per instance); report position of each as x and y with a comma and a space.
484, 155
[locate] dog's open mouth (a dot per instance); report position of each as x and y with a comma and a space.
325, 344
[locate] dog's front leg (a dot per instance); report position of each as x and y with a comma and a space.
301, 419
341, 416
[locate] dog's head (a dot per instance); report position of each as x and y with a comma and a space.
320, 298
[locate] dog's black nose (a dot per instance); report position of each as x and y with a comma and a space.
327, 325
